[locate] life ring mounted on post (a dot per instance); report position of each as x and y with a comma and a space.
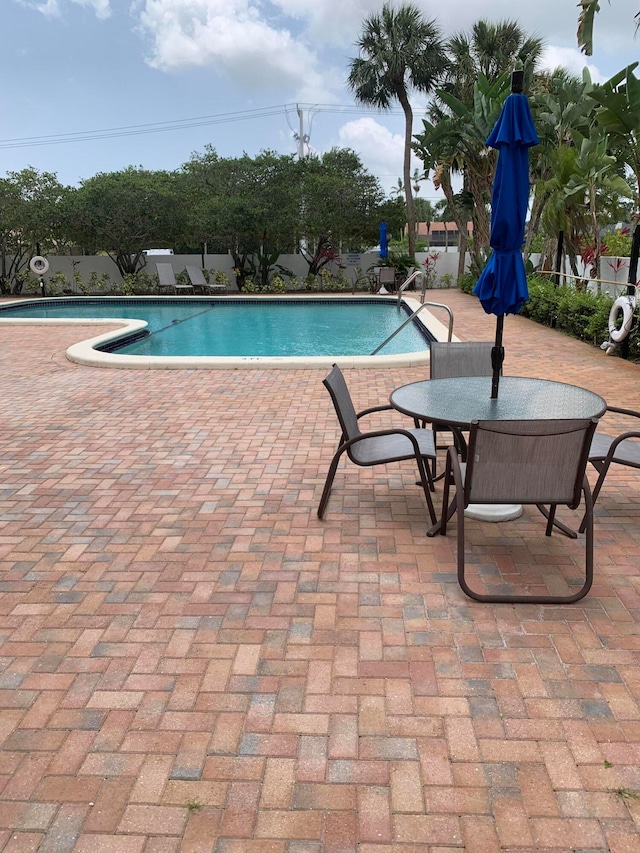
39, 265
626, 305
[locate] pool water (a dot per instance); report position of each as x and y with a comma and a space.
245, 327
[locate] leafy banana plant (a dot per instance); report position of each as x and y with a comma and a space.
595, 177
457, 142
586, 18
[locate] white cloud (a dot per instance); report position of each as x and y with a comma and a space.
381, 150
231, 36
333, 22
53, 9
571, 59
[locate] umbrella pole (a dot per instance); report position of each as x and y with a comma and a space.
497, 357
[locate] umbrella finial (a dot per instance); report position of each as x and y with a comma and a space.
517, 81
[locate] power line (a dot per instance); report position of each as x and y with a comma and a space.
183, 124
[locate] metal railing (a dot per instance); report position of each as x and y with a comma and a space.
414, 275
413, 316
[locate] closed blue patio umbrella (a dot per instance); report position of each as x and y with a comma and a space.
502, 286
384, 240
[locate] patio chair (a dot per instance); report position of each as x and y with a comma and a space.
622, 449
167, 280
198, 280
540, 462
377, 447
387, 278
449, 359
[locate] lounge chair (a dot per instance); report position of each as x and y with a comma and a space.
377, 447
167, 280
198, 280
522, 462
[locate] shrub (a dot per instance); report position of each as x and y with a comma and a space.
220, 277
466, 282
579, 313
618, 243
543, 302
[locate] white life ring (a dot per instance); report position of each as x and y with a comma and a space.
626, 305
39, 265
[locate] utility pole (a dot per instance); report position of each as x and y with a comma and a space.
301, 138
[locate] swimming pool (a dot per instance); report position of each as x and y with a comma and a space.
235, 331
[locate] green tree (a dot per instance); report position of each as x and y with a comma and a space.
30, 218
618, 114
124, 213
400, 52
561, 107
595, 177
248, 205
458, 141
465, 109
490, 49
200, 180
341, 205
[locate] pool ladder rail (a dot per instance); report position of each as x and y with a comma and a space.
412, 317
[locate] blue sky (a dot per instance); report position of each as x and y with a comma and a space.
148, 82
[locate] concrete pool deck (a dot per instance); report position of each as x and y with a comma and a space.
192, 662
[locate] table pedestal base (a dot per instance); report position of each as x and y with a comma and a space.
493, 512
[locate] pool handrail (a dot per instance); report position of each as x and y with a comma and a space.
405, 284
413, 316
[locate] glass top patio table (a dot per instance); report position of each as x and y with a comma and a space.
463, 399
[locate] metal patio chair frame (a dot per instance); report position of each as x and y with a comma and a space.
375, 447
534, 462
621, 449
451, 359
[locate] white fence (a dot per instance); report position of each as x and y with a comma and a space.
352, 265
614, 271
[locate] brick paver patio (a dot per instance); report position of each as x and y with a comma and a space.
191, 661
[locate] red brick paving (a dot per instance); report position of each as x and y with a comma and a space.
190, 661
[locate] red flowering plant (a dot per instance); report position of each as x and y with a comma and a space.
429, 265
590, 258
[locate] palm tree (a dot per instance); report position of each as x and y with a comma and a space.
398, 190
465, 109
400, 52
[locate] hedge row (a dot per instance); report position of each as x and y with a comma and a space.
578, 313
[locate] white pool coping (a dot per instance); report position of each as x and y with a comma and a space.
85, 352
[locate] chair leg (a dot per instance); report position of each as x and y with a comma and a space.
427, 485
602, 468
536, 599
329, 482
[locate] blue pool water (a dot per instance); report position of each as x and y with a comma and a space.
245, 327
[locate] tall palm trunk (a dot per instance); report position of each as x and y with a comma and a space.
408, 134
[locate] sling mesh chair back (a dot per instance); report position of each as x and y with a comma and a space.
167, 280
449, 359
459, 358
622, 449
539, 462
387, 278
375, 447
198, 280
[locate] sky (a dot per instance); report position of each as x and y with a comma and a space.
93, 86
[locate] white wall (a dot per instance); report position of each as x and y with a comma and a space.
612, 269
353, 264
